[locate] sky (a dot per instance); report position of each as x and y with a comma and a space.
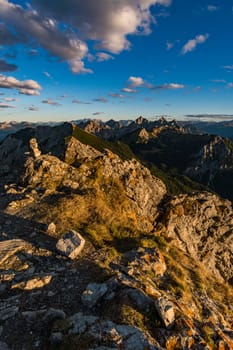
72, 59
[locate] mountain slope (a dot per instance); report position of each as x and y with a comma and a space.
155, 272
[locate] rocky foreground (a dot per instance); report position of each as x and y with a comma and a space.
95, 254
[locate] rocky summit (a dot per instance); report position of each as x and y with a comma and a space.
97, 252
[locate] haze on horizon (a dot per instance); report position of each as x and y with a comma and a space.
69, 60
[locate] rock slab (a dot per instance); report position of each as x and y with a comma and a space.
71, 244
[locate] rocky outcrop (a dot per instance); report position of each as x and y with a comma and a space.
142, 190
202, 225
213, 157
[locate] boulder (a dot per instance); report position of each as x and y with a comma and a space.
71, 244
93, 294
166, 311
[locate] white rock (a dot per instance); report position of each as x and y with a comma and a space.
165, 309
71, 244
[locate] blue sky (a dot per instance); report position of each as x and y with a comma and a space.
105, 59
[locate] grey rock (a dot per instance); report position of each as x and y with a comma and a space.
93, 293
56, 338
4, 346
9, 312
31, 316
54, 314
165, 309
142, 302
71, 244
80, 323
201, 224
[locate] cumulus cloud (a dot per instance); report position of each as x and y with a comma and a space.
102, 56
107, 22
192, 44
7, 67
134, 82
100, 99
65, 27
129, 90
51, 102
26, 87
230, 85
30, 25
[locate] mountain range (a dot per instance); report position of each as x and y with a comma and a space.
156, 268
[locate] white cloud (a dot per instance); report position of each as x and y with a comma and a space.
29, 92
228, 67
116, 95
170, 86
48, 75
26, 87
100, 99
81, 102
169, 45
31, 26
218, 81
9, 99
230, 85
33, 108
129, 90
191, 44
65, 27
51, 102
135, 82
108, 22
212, 8
102, 56
2, 105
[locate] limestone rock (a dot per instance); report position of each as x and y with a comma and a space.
201, 224
34, 283
165, 309
71, 244
34, 148
51, 228
93, 293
